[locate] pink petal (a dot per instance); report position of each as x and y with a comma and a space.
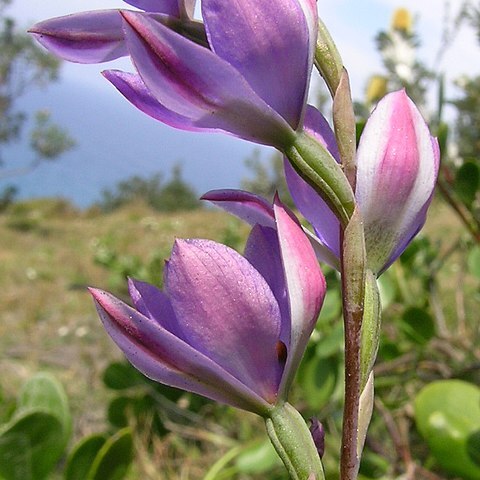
397, 171
154, 304
263, 252
305, 288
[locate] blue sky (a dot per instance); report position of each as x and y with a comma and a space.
110, 131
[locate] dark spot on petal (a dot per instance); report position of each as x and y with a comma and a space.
281, 352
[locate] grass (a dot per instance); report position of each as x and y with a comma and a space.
51, 252
47, 260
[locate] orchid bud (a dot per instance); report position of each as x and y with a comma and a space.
397, 163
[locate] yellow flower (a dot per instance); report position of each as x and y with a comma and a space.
402, 20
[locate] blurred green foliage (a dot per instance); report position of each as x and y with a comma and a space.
171, 196
25, 66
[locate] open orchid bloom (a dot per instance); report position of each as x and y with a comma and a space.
397, 168
232, 328
98, 36
250, 81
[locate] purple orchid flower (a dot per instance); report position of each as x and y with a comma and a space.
98, 36
397, 168
251, 82
229, 327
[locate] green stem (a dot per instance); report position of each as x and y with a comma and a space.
370, 335
327, 58
353, 286
345, 127
314, 163
294, 444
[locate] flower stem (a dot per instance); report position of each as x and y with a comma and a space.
345, 127
327, 58
353, 286
314, 163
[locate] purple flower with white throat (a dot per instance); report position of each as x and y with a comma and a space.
232, 328
397, 168
251, 80
98, 36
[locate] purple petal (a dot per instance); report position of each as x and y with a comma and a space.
263, 252
195, 83
89, 37
305, 288
165, 358
252, 36
318, 434
176, 8
250, 207
323, 253
226, 311
131, 86
154, 304
397, 171
306, 199
418, 221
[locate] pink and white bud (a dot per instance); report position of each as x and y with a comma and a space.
398, 164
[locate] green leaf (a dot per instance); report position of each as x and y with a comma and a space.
114, 458
473, 447
417, 325
474, 261
118, 411
30, 446
331, 343
170, 393
141, 409
388, 350
467, 182
80, 460
442, 136
373, 465
44, 392
121, 376
360, 125
318, 378
447, 414
387, 288
331, 307
257, 459
34, 439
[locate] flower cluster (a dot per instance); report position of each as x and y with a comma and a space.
250, 79
230, 327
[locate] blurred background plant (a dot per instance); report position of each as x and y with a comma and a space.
24, 66
426, 424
